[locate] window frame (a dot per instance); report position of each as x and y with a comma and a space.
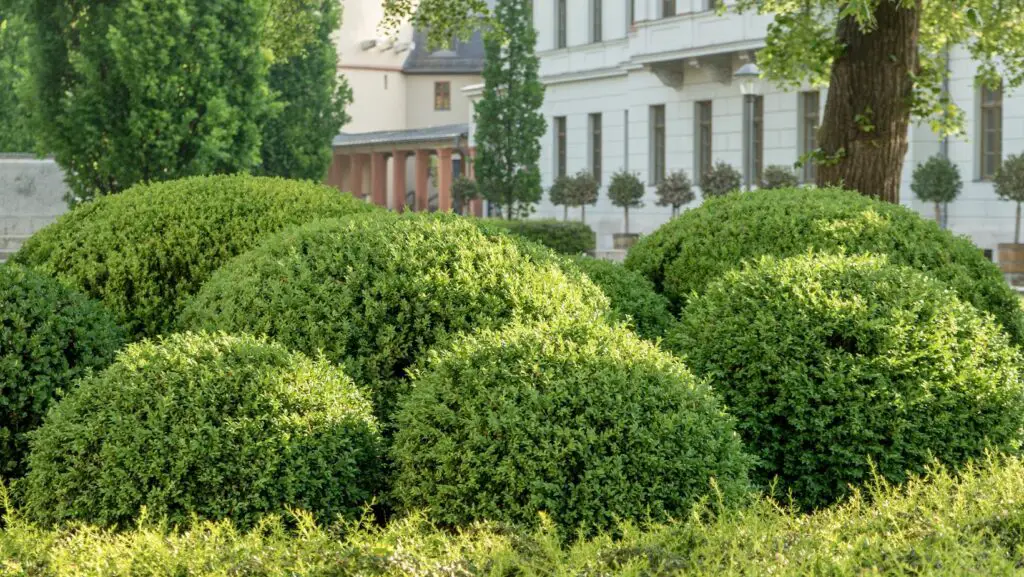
594, 123
561, 143
596, 21
704, 115
809, 123
442, 95
666, 11
561, 24
990, 121
758, 138
659, 156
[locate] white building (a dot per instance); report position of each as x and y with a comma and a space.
647, 85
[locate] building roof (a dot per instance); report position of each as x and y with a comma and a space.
461, 58
431, 134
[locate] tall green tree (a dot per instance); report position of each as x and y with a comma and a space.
124, 91
297, 141
509, 125
15, 134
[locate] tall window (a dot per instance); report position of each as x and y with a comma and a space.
991, 137
559, 146
711, 4
702, 114
442, 96
595, 20
754, 144
560, 16
631, 11
668, 8
595, 146
809, 120
657, 144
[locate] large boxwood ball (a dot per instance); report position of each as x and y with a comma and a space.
210, 425
632, 296
375, 292
829, 361
583, 421
694, 249
49, 336
143, 251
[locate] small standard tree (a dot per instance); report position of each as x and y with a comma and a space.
1009, 183
582, 190
720, 180
777, 176
675, 190
464, 190
937, 180
558, 192
626, 191
509, 124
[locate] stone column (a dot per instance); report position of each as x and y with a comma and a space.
355, 175
398, 180
422, 180
444, 179
379, 179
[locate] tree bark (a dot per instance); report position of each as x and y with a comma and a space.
583, 213
1016, 228
627, 218
565, 212
863, 134
938, 215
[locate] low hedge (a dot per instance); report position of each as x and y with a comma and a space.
375, 292
632, 297
829, 362
208, 425
943, 525
582, 421
690, 251
565, 237
145, 250
49, 337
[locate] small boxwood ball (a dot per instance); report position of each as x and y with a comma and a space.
218, 426
142, 252
49, 336
583, 421
632, 297
828, 362
690, 251
375, 292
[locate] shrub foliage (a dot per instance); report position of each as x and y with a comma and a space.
828, 362
375, 292
50, 336
632, 297
687, 253
583, 421
720, 179
144, 251
208, 425
566, 237
776, 176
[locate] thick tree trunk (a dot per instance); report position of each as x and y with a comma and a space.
863, 133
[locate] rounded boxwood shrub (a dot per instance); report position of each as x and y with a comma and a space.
143, 251
583, 421
565, 237
375, 292
49, 336
688, 252
217, 426
632, 297
828, 362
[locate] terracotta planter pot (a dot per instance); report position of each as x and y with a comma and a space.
622, 241
1011, 258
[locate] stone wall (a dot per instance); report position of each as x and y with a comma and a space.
31, 196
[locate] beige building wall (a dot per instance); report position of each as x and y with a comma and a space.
378, 100
419, 104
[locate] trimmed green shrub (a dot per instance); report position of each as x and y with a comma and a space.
776, 176
565, 237
632, 296
209, 425
375, 292
720, 179
142, 252
828, 362
49, 336
582, 421
687, 253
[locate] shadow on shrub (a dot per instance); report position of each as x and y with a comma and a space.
632, 296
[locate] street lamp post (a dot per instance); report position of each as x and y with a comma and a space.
748, 76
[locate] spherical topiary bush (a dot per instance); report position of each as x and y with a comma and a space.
143, 251
632, 297
205, 424
375, 292
583, 421
687, 253
829, 361
49, 336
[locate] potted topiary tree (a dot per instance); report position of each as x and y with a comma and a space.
937, 180
1009, 181
582, 190
777, 176
626, 191
557, 194
464, 190
675, 190
720, 180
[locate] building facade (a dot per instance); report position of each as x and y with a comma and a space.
648, 86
